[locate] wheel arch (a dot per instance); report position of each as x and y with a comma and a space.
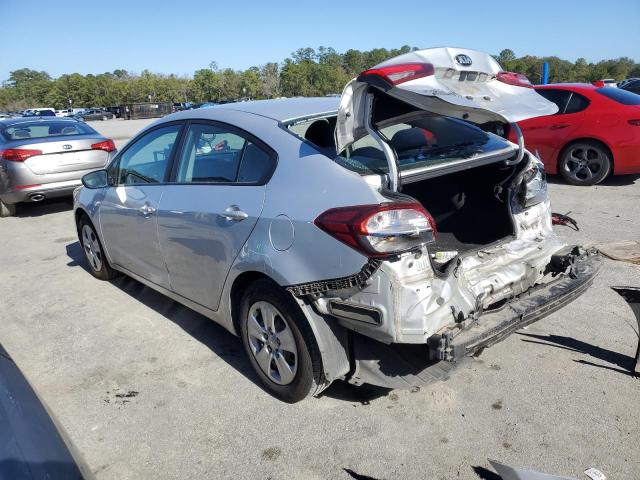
331, 339
599, 141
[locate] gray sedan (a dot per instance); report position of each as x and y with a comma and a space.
46, 158
381, 239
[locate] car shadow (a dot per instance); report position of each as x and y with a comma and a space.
610, 181
45, 207
216, 338
486, 474
627, 363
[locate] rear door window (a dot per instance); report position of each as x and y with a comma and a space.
577, 103
559, 97
217, 154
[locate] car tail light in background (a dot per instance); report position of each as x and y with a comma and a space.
18, 154
635, 122
516, 79
107, 146
397, 74
380, 230
598, 83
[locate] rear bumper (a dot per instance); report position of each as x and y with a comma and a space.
405, 366
533, 305
47, 190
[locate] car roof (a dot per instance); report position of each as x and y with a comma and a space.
280, 109
5, 122
568, 86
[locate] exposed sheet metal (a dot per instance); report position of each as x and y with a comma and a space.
508, 472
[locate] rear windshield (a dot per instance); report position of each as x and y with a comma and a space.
419, 140
619, 95
43, 129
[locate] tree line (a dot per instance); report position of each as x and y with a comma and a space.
307, 72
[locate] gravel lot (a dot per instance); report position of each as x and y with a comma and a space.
149, 389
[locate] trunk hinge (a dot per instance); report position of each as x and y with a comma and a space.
520, 138
389, 154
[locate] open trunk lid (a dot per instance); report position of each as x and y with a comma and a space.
454, 82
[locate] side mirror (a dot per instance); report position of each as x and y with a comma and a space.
97, 179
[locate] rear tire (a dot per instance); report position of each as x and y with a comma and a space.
94, 252
7, 209
279, 342
585, 163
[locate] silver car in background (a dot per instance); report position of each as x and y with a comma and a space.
381, 239
46, 158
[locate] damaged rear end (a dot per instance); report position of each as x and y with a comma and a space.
460, 246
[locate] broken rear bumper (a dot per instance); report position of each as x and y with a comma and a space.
533, 305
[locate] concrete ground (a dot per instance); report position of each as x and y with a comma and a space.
149, 389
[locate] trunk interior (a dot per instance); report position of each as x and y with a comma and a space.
467, 213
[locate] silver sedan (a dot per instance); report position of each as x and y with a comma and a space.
46, 158
381, 239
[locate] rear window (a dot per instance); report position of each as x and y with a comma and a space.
619, 95
43, 129
421, 140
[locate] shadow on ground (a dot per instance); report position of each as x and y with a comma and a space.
611, 181
46, 207
224, 344
627, 363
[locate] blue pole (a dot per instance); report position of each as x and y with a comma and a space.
545, 73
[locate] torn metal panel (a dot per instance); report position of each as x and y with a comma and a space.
632, 296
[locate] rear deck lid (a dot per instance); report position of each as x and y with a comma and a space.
453, 82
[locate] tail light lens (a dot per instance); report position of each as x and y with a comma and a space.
516, 79
635, 122
107, 146
397, 74
380, 230
18, 154
534, 185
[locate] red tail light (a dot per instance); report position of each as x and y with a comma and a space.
598, 83
635, 122
397, 74
18, 154
380, 230
107, 146
516, 79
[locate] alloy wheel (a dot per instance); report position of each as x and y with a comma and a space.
272, 343
584, 162
92, 248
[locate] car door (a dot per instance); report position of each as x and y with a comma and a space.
128, 213
547, 135
206, 216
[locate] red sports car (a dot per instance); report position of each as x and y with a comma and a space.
596, 132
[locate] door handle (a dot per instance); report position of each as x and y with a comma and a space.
558, 126
234, 213
146, 210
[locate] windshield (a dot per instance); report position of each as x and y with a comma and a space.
619, 95
421, 140
43, 129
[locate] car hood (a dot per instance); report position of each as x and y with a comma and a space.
463, 84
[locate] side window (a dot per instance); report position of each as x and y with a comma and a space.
577, 103
215, 154
559, 97
146, 161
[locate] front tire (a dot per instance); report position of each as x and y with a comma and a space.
93, 252
279, 342
585, 163
7, 209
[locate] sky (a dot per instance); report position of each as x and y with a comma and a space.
181, 36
